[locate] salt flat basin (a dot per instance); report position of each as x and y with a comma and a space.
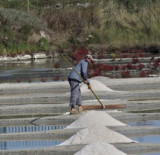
23, 145
24, 129
145, 123
147, 139
42, 97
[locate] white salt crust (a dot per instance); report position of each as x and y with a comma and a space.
100, 148
96, 86
95, 119
98, 134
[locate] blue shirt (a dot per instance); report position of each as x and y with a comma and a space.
81, 68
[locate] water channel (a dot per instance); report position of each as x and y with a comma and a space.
40, 70
31, 144
149, 138
146, 123
21, 145
32, 70
24, 129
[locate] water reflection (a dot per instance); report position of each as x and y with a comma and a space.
17, 129
20, 145
146, 123
32, 71
148, 139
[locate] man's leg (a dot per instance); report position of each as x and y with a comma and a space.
74, 94
79, 100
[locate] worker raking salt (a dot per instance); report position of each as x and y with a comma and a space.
74, 81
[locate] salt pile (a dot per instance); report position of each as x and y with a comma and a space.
90, 135
95, 118
100, 148
96, 86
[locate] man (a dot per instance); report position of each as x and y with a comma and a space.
74, 81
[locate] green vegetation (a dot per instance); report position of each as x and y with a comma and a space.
115, 23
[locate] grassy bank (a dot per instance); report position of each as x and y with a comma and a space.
124, 23
110, 23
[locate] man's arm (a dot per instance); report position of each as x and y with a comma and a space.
84, 69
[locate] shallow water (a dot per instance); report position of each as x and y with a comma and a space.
21, 145
148, 139
18, 129
145, 123
153, 153
38, 69
31, 70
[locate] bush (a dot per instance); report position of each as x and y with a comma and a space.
125, 74
143, 74
2, 48
79, 54
20, 18
43, 44
140, 66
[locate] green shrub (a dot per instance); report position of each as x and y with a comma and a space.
43, 44
2, 48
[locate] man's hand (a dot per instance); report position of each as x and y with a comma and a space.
89, 86
85, 82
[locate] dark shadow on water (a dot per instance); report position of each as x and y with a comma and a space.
21, 145
18, 129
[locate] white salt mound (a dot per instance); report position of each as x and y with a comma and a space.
90, 135
100, 148
96, 86
95, 118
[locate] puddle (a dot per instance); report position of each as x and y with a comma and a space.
21, 145
146, 123
18, 129
148, 139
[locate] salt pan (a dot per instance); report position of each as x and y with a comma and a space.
100, 148
96, 86
95, 118
90, 135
